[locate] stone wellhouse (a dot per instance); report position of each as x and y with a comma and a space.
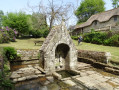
58, 51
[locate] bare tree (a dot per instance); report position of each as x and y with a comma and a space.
54, 12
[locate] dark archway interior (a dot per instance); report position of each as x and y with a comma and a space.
62, 50
61, 56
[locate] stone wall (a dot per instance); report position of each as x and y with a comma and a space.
94, 55
27, 57
28, 54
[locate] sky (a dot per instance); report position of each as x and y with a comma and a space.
22, 5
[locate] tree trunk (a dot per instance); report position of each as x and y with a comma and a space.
51, 23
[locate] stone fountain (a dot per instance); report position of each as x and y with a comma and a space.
58, 51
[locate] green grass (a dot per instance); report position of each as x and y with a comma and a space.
23, 44
94, 47
29, 44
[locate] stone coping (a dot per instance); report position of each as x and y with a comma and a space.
23, 60
105, 67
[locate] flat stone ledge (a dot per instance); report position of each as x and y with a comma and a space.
26, 74
21, 79
70, 82
56, 75
50, 78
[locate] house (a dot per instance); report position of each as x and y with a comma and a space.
70, 29
104, 21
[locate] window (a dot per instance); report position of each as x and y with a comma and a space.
82, 30
115, 18
95, 22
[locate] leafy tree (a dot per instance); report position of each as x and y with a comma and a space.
39, 25
38, 20
87, 8
18, 21
1, 14
115, 3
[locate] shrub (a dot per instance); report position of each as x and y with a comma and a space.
96, 41
19, 21
108, 39
1, 38
107, 42
112, 41
95, 37
74, 37
87, 38
35, 33
39, 33
10, 53
45, 33
5, 84
7, 35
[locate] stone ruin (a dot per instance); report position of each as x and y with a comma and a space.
58, 51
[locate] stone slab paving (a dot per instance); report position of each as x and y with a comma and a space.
95, 80
116, 80
76, 88
27, 73
98, 81
69, 82
104, 86
117, 88
82, 66
89, 79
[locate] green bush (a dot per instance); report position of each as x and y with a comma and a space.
19, 21
5, 84
95, 37
7, 35
45, 33
10, 53
74, 37
36, 33
96, 41
39, 33
112, 41
4, 37
1, 38
104, 38
87, 38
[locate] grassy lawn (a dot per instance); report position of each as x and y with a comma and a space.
24, 43
29, 44
93, 47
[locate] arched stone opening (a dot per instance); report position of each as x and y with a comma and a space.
62, 57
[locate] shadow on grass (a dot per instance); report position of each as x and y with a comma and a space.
38, 45
24, 38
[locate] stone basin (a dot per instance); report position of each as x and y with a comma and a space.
66, 73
